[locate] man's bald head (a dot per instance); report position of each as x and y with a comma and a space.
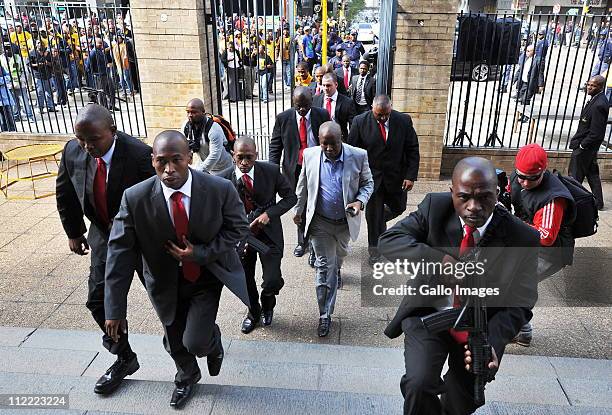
94, 113
245, 141
474, 190
196, 103
302, 92
302, 100
381, 101
195, 111
330, 139
330, 129
171, 158
245, 153
595, 85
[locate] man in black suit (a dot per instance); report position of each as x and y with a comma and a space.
185, 225
258, 183
95, 169
589, 136
508, 255
393, 151
363, 88
295, 130
339, 107
529, 77
345, 74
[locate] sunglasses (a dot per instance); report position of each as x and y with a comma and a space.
529, 178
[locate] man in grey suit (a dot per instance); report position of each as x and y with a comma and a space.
334, 186
186, 225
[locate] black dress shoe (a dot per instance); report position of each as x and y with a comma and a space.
267, 317
214, 361
312, 258
111, 380
324, 324
249, 323
182, 392
299, 251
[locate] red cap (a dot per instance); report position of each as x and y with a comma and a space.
531, 159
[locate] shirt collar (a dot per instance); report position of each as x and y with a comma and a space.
109, 154
307, 116
333, 97
185, 188
481, 230
340, 157
251, 173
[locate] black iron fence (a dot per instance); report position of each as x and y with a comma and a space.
55, 60
517, 79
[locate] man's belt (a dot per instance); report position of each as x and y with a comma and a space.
333, 221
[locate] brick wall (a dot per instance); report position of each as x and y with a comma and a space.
421, 73
504, 159
173, 60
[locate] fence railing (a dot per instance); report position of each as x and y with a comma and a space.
55, 60
517, 79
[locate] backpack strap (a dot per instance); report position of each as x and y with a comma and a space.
207, 127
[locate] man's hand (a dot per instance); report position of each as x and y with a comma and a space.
178, 253
79, 245
407, 185
115, 327
356, 205
540, 90
493, 364
260, 221
297, 219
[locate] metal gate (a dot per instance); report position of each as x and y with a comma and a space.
484, 107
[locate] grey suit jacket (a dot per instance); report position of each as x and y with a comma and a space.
216, 223
357, 183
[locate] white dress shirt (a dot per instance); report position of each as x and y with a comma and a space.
526, 69
362, 101
251, 174
185, 190
334, 99
108, 157
309, 136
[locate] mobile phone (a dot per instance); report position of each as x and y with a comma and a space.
351, 211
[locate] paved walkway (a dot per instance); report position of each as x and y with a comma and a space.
264, 377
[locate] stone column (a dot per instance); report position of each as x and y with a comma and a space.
172, 43
421, 73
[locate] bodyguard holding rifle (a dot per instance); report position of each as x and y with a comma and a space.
447, 227
258, 184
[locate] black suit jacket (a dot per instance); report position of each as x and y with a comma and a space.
143, 226
592, 126
286, 139
536, 75
344, 112
369, 88
131, 164
340, 78
395, 161
434, 230
268, 183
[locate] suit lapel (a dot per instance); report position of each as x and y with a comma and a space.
81, 164
161, 213
197, 198
453, 231
294, 128
346, 172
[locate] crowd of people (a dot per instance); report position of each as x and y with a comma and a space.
250, 51
46, 59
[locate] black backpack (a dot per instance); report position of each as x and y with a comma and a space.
587, 214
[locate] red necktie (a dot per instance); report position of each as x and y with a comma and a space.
346, 79
318, 90
303, 139
467, 243
383, 131
328, 107
99, 188
247, 182
191, 270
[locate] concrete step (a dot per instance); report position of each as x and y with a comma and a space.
280, 378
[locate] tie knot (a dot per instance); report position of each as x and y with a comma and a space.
101, 161
468, 230
176, 196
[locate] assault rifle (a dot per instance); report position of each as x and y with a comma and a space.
471, 317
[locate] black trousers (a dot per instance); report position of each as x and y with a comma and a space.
272, 277
105, 83
95, 304
194, 331
583, 163
377, 216
424, 356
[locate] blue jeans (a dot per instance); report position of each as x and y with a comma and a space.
263, 87
287, 73
599, 67
22, 98
60, 88
44, 92
7, 122
73, 80
126, 81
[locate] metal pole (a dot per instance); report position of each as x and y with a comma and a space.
324, 34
